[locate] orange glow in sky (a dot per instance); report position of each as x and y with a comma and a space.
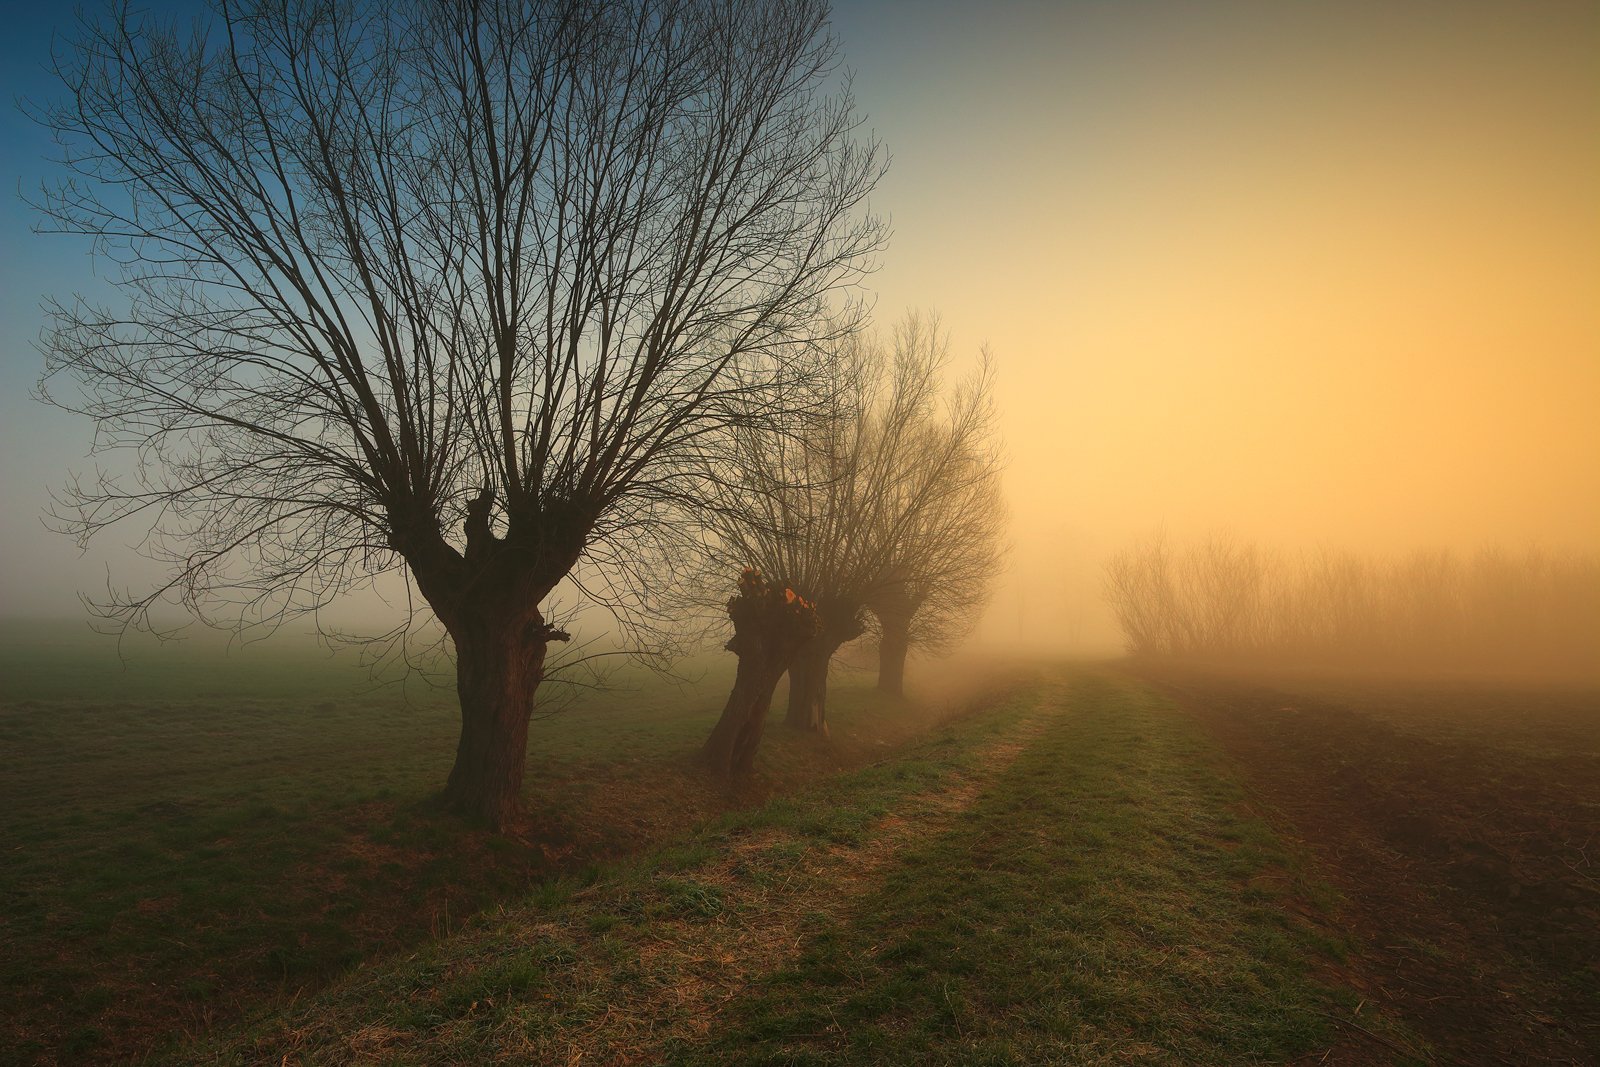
1317, 274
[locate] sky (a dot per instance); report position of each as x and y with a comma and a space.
1315, 274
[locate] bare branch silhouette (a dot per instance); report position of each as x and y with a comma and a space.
883, 498
477, 290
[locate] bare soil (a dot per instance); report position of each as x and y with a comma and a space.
1461, 823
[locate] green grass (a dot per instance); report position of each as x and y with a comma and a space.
553, 965
205, 829
229, 858
1068, 876
1105, 901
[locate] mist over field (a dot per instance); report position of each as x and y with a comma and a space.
1317, 279
753, 531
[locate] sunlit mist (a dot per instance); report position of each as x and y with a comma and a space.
1315, 276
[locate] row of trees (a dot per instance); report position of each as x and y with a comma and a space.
881, 511
488, 292
1226, 599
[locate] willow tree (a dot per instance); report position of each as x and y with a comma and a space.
771, 622
845, 505
945, 518
464, 289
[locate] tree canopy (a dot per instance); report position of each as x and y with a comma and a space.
471, 289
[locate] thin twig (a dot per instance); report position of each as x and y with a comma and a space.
1379, 1038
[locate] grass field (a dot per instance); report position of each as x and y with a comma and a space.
229, 859
200, 829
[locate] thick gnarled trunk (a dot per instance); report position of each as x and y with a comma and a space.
488, 599
770, 623
731, 748
808, 686
893, 647
808, 674
499, 665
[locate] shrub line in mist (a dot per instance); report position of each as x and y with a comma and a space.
1224, 598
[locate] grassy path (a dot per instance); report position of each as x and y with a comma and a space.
1103, 901
1066, 877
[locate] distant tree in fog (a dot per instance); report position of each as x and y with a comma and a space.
1222, 599
470, 290
950, 540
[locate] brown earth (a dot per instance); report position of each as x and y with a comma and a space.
689, 970
1461, 823
437, 879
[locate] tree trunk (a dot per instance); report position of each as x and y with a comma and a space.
808, 674
808, 686
499, 665
892, 649
770, 623
731, 748
488, 600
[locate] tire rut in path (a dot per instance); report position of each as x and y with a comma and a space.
697, 967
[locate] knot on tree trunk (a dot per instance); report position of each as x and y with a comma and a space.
767, 611
543, 633
409, 529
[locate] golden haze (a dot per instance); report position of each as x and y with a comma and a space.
1320, 277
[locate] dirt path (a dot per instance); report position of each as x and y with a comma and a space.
699, 968
757, 903
1465, 863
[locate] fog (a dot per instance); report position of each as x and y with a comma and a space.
1322, 278
1319, 277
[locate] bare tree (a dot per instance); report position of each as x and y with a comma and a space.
1225, 600
839, 508
783, 514
946, 516
470, 289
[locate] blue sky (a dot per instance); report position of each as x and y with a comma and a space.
36, 443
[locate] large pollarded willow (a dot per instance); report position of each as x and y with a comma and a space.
470, 288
